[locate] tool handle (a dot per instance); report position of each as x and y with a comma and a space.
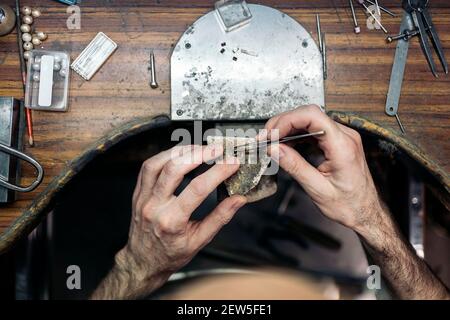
26, 158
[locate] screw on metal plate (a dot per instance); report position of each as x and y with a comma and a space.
233, 14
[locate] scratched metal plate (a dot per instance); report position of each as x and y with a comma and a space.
270, 65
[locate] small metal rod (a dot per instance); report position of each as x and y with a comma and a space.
355, 20
361, 2
405, 36
400, 123
153, 83
319, 32
324, 57
264, 143
378, 7
389, 12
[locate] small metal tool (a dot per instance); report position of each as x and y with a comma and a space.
355, 20
362, 3
406, 35
324, 57
389, 12
153, 83
418, 9
261, 144
398, 70
378, 8
322, 46
319, 32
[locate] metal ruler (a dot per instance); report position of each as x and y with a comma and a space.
398, 70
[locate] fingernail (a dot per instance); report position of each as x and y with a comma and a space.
239, 203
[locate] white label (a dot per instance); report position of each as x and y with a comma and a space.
46, 81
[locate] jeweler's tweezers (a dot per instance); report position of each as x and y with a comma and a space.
265, 143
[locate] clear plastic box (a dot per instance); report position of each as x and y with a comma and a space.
47, 83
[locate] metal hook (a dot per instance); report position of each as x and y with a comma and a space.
26, 158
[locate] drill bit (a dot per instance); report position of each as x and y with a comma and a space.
355, 21
153, 83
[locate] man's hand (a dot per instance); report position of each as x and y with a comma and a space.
162, 237
342, 187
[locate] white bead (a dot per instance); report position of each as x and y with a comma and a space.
63, 73
37, 59
57, 59
36, 76
36, 41
27, 46
26, 11
26, 37
41, 35
27, 55
56, 66
36, 66
27, 19
36, 13
25, 28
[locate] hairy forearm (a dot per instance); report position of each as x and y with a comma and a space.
125, 281
408, 275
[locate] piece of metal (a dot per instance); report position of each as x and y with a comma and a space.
153, 83
213, 79
406, 35
233, 14
361, 2
355, 20
26, 158
265, 143
319, 32
378, 8
418, 10
384, 9
324, 57
7, 19
416, 213
398, 68
400, 124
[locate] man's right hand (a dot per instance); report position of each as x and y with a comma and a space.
342, 186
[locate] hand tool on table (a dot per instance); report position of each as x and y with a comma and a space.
153, 83
424, 28
262, 144
415, 15
355, 20
12, 127
363, 4
389, 12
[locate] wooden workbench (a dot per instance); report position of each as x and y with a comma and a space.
359, 69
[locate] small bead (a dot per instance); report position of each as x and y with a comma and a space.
27, 19
63, 73
56, 67
36, 76
26, 11
41, 35
36, 41
27, 46
36, 13
27, 55
57, 59
37, 59
26, 37
25, 28
36, 66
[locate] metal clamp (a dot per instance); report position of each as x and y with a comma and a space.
26, 158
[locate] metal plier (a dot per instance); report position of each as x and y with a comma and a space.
40, 171
418, 9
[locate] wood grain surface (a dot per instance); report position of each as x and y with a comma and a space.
359, 69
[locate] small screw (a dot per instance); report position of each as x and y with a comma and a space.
153, 83
179, 112
187, 45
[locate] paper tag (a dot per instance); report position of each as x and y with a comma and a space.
46, 81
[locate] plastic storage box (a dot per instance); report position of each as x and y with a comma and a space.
47, 83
